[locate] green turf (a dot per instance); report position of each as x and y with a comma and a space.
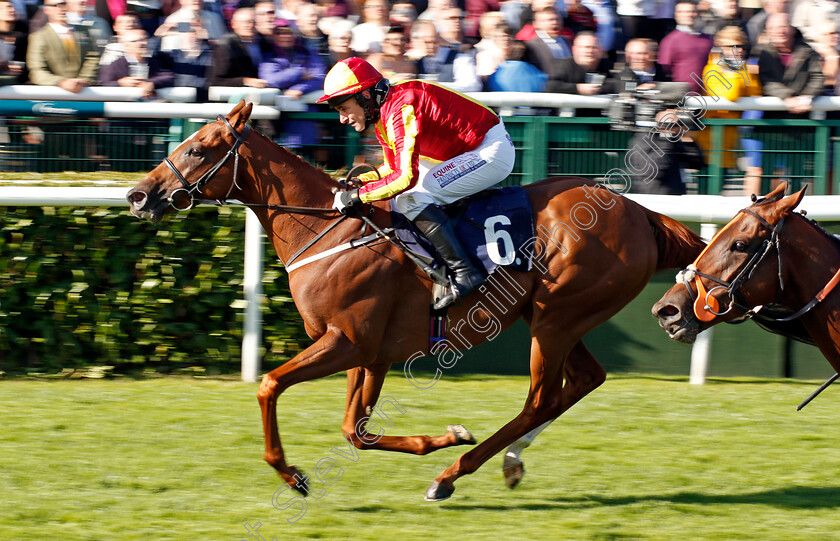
642, 458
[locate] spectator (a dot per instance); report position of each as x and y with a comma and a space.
828, 47
528, 30
726, 75
434, 12
475, 11
78, 15
334, 8
637, 18
606, 20
60, 56
723, 13
137, 68
451, 29
584, 73
640, 71
264, 17
755, 25
808, 17
578, 18
12, 47
403, 14
666, 156
788, 67
663, 19
236, 57
293, 68
488, 52
313, 38
114, 49
547, 48
512, 74
442, 63
191, 15
338, 39
683, 53
191, 63
392, 62
368, 35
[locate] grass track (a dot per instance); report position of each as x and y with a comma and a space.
642, 458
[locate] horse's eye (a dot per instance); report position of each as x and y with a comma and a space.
739, 246
195, 153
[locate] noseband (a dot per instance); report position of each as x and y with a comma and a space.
189, 191
706, 306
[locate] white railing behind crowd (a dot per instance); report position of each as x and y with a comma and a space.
273, 97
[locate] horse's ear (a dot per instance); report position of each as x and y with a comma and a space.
792, 201
239, 115
777, 193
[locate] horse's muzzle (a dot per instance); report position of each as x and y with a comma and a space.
144, 206
674, 321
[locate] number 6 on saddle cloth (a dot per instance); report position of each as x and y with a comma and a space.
493, 226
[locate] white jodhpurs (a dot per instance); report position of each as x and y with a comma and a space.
464, 175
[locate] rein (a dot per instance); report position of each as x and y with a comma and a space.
706, 306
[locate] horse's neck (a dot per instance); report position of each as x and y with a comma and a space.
813, 258
281, 178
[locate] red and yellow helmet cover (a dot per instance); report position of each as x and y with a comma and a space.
349, 76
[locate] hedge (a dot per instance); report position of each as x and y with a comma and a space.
82, 287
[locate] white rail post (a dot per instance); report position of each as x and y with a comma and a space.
252, 286
701, 351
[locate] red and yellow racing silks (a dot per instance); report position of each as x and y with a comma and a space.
421, 120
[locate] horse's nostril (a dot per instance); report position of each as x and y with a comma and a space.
137, 198
668, 311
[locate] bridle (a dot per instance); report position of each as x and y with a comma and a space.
184, 198
707, 307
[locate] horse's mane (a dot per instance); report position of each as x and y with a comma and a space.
293, 160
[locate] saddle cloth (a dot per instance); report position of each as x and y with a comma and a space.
492, 226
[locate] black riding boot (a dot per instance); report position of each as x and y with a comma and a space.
435, 226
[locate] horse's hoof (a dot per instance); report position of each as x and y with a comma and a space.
513, 470
301, 484
462, 435
438, 492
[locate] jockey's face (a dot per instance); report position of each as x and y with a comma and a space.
350, 112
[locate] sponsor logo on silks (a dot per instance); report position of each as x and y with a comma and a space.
452, 171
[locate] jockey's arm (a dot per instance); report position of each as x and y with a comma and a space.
400, 148
381, 171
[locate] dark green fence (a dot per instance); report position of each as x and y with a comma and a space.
801, 151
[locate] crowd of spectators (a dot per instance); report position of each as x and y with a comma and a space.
587, 47
775, 48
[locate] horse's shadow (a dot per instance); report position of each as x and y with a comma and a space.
793, 497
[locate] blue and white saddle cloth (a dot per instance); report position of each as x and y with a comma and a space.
492, 226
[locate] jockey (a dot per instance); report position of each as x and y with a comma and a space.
440, 146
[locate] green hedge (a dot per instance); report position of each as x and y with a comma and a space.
93, 287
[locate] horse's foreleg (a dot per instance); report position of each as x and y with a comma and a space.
363, 389
331, 353
582, 374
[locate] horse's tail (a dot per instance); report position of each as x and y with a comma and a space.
678, 245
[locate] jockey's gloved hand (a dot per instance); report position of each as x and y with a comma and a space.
346, 200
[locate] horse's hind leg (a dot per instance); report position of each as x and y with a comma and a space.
582, 374
362, 411
544, 403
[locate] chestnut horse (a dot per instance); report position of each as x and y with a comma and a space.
769, 264
367, 308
